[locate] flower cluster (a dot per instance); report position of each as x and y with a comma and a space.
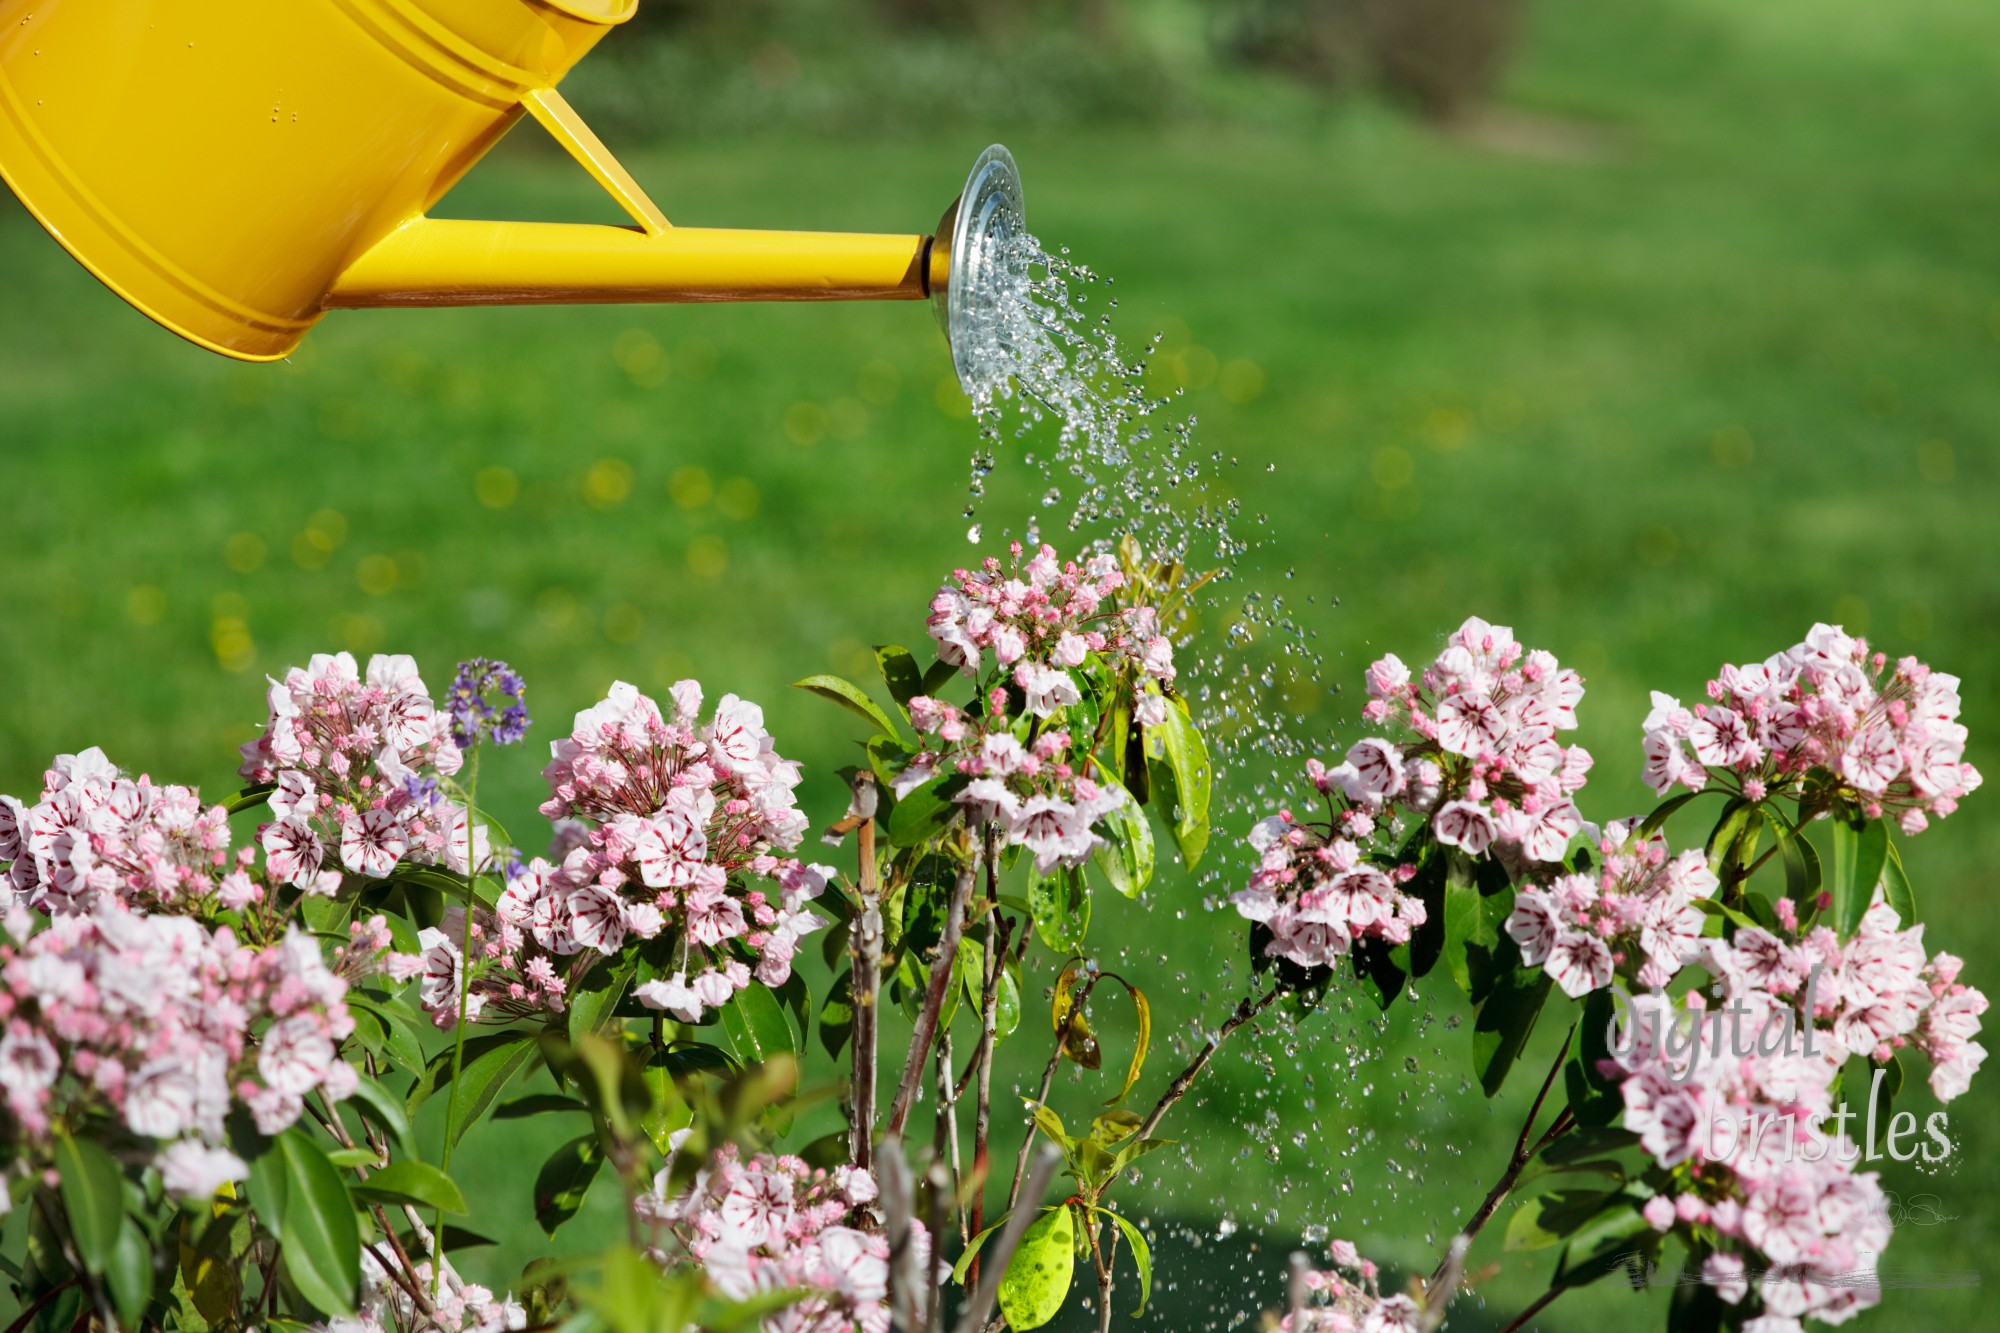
1041, 618
677, 814
1315, 889
161, 1023
1638, 915
1872, 996
356, 762
513, 976
773, 1223
1347, 1299
96, 832
1045, 622
1033, 794
1755, 1178
1889, 739
1486, 713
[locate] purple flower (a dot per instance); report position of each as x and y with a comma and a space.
485, 701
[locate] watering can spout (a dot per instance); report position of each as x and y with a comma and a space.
237, 168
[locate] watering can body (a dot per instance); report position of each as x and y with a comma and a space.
236, 168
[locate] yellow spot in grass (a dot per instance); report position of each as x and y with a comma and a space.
146, 604
690, 487
496, 487
1242, 381
607, 484
377, 575
805, 423
738, 498
245, 552
707, 557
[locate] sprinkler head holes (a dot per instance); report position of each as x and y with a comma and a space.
983, 236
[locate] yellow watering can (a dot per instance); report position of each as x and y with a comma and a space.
237, 168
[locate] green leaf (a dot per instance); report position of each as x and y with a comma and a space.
383, 1107
1141, 1044
564, 1181
399, 1024
1060, 902
964, 1264
1126, 857
129, 1274
1613, 1237
1896, 887
1654, 822
536, 1103
900, 673
1186, 756
1473, 915
249, 798
926, 810
849, 696
1142, 1259
592, 1005
1592, 1098
1802, 869
836, 1015
1501, 1027
757, 1027
1547, 1219
1860, 847
322, 1245
1039, 1271
491, 1061
1722, 838
93, 1194
938, 675
410, 1181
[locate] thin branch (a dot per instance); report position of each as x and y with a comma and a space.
925, 1030
1251, 1006
1521, 1319
1028, 1141
989, 1037
1522, 1155
973, 1318
28, 1315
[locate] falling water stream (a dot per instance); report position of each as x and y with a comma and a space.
1110, 458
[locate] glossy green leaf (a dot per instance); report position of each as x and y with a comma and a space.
925, 811
964, 1264
757, 1027
1126, 857
1548, 1219
491, 1062
1501, 1027
249, 798
1039, 1272
849, 696
129, 1275
1060, 901
536, 1104
1860, 847
401, 1040
836, 1014
1803, 876
1142, 1259
1896, 887
593, 1005
1616, 1235
1593, 1099
1185, 754
377, 1103
900, 673
322, 1245
93, 1194
414, 1182
1657, 820
564, 1181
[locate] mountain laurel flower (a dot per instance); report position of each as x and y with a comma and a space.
771, 1223
1316, 889
355, 761
670, 824
1349, 1299
1824, 710
1484, 763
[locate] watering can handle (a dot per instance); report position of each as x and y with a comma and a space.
559, 118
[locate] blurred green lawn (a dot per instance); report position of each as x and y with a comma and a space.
1657, 409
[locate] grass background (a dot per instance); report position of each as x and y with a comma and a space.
1658, 405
